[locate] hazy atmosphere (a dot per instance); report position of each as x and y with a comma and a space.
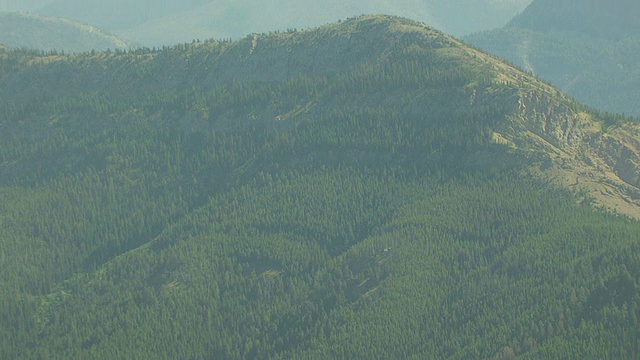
419, 179
153, 23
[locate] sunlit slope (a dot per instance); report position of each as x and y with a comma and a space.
367, 189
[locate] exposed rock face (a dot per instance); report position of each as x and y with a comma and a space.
569, 147
604, 167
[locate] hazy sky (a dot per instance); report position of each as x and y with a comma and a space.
159, 22
22, 5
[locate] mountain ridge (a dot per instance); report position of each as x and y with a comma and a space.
367, 189
335, 49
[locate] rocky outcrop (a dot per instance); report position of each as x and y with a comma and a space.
568, 146
604, 167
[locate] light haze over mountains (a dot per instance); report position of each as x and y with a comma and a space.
588, 49
26, 30
171, 21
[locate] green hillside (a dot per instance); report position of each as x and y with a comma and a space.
22, 30
590, 51
367, 189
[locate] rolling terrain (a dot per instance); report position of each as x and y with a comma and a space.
367, 189
22, 30
587, 49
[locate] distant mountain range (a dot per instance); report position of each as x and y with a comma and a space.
171, 21
22, 30
117, 14
590, 49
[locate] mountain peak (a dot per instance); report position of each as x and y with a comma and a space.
375, 25
373, 62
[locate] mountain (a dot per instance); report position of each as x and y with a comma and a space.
22, 30
588, 49
172, 21
367, 189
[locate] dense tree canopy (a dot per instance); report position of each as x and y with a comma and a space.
364, 211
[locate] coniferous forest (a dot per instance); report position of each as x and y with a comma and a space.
332, 193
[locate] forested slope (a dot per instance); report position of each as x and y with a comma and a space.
361, 190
